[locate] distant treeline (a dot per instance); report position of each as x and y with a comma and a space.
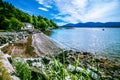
95, 24
12, 18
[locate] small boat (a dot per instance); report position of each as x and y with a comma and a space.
103, 29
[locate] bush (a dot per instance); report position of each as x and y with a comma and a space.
23, 71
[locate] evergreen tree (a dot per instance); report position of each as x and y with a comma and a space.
44, 25
5, 24
15, 24
34, 18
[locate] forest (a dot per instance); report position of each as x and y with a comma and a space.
12, 18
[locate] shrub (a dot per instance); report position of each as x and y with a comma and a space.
23, 71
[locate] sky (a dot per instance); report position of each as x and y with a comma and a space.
72, 11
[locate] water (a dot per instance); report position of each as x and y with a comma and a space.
96, 40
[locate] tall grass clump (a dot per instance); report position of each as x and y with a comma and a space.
4, 73
58, 69
23, 71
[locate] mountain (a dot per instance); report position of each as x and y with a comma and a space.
94, 24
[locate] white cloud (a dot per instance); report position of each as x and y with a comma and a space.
88, 10
101, 13
45, 3
48, 6
85, 10
40, 1
44, 9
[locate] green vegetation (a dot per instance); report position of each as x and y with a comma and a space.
23, 71
59, 71
4, 74
55, 69
62, 67
12, 18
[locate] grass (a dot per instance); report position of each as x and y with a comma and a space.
4, 74
23, 71
3, 30
55, 70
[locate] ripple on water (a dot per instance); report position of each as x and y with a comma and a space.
105, 42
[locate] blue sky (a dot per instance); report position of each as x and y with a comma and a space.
72, 11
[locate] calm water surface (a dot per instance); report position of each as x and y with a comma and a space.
96, 40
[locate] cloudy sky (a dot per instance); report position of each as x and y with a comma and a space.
72, 11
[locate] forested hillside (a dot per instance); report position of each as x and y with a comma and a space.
12, 18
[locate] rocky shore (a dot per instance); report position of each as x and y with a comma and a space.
108, 69
46, 58
34, 45
9, 37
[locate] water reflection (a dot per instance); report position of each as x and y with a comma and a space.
90, 39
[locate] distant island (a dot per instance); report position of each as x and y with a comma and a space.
95, 24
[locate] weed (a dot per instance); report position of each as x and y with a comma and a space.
23, 71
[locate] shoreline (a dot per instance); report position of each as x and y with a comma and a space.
36, 42
39, 45
43, 44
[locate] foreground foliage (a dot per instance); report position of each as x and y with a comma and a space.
55, 69
23, 71
63, 67
5, 74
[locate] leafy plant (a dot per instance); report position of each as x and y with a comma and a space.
23, 71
